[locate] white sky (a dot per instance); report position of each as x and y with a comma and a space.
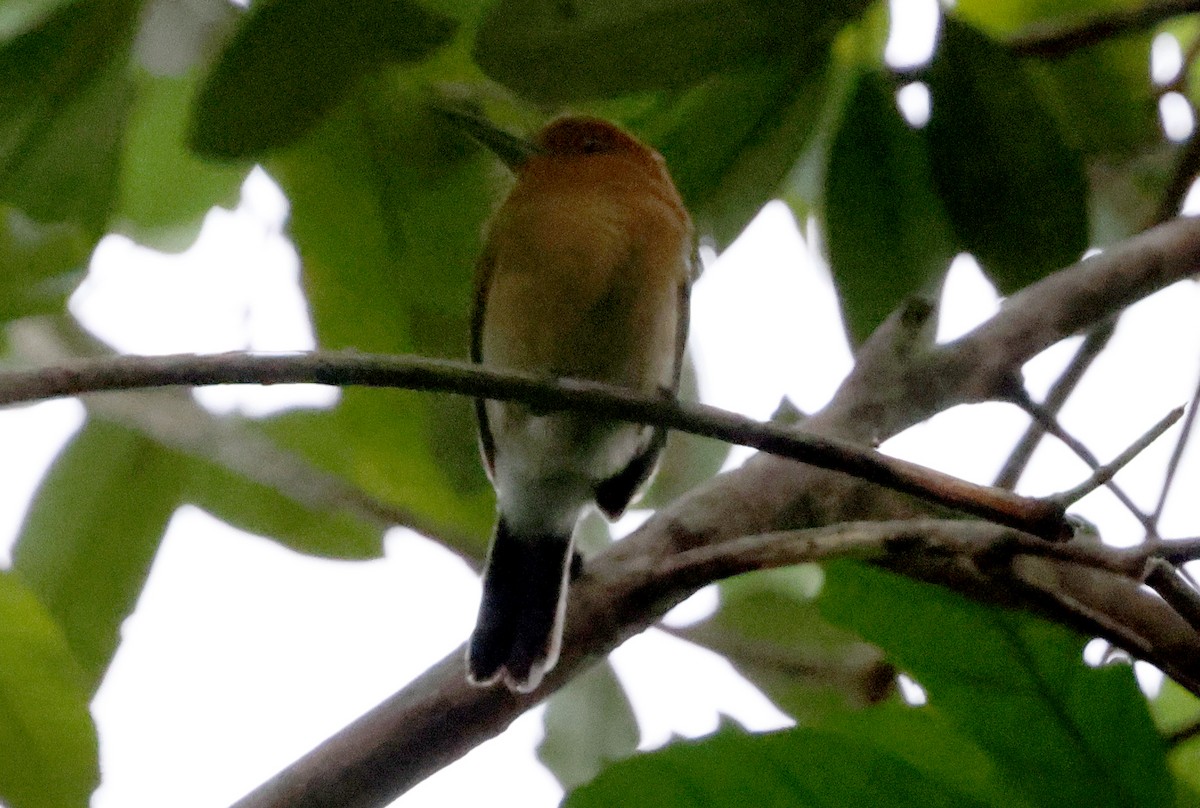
242, 655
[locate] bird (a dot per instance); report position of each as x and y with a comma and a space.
585, 273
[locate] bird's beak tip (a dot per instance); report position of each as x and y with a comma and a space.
513, 151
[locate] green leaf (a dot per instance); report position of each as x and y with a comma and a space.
886, 230
18, 16
1013, 189
165, 190
229, 466
1102, 94
93, 529
589, 724
50, 755
769, 628
42, 265
386, 216
922, 737
381, 444
1126, 194
294, 61
802, 767
64, 96
1177, 709
731, 141
1174, 708
1102, 97
1010, 16
318, 528
556, 52
1063, 733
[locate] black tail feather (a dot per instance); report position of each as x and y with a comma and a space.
519, 628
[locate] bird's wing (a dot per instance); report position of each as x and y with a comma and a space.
614, 494
483, 278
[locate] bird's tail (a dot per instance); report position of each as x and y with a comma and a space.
519, 630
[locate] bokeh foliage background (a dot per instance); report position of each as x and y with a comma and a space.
138, 116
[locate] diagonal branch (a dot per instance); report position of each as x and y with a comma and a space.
1097, 339
433, 721
1056, 40
1049, 424
1173, 463
895, 383
1103, 475
1041, 517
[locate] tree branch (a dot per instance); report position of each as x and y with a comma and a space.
1164, 579
423, 728
871, 541
1173, 462
896, 382
1104, 474
1041, 517
176, 421
1050, 424
1054, 41
1014, 467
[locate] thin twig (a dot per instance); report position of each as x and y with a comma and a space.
1173, 464
1051, 425
1096, 341
1176, 551
1179, 84
1040, 517
1105, 473
173, 419
1164, 579
1183, 734
1057, 40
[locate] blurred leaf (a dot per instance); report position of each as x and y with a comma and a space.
1174, 708
1126, 193
886, 230
801, 767
90, 535
731, 141
226, 463
294, 61
18, 16
803, 189
1102, 94
380, 444
1014, 191
165, 190
1177, 709
49, 742
769, 628
42, 265
1010, 16
1063, 733
555, 52
177, 38
922, 737
64, 96
386, 214
687, 460
589, 724
259, 508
